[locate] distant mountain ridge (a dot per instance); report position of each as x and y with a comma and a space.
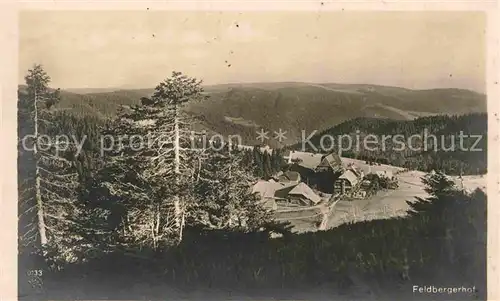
292, 106
266, 85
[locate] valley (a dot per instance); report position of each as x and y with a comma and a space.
293, 106
357, 165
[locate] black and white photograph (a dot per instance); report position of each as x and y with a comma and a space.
252, 155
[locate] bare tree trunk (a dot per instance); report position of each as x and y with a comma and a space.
38, 195
157, 227
199, 169
177, 163
40, 213
178, 216
158, 217
153, 235
181, 229
177, 145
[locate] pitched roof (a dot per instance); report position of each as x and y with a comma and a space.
267, 189
291, 176
306, 160
306, 191
283, 192
350, 176
332, 159
356, 170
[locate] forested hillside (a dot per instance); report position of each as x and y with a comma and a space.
244, 108
297, 107
443, 153
333, 109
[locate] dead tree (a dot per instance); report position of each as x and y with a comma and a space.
157, 150
49, 180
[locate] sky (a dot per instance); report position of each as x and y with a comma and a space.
138, 49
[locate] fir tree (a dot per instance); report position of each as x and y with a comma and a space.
267, 164
276, 160
48, 189
150, 176
441, 191
225, 198
258, 162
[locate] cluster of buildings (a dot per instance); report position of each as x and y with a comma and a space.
311, 179
325, 172
286, 192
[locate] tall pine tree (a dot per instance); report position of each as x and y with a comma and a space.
225, 199
150, 175
258, 162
